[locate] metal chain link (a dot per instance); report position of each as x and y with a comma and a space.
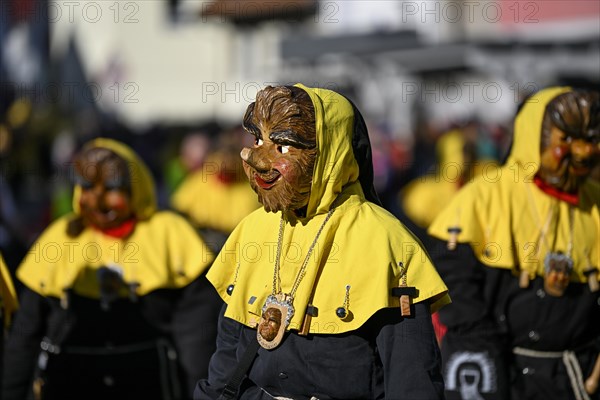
302, 272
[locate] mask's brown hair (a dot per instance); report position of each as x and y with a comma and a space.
274, 105
577, 113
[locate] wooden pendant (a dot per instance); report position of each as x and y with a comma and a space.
557, 273
276, 316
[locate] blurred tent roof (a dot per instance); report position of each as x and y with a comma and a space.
312, 47
250, 12
406, 49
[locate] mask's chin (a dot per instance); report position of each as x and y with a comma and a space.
275, 202
276, 194
569, 183
562, 179
104, 219
282, 197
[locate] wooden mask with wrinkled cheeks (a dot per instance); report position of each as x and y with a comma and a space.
105, 200
570, 145
280, 164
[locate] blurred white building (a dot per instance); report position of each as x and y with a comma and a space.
192, 60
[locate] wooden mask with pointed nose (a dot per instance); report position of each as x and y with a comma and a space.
280, 164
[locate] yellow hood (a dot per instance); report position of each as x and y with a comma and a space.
423, 198
525, 150
335, 165
449, 148
143, 197
360, 246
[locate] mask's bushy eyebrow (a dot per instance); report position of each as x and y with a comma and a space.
290, 138
117, 182
247, 121
576, 113
81, 181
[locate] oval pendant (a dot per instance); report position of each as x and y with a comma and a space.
557, 272
277, 313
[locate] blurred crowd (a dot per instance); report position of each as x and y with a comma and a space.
198, 178
38, 142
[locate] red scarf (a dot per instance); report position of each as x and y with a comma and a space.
571, 198
121, 231
226, 177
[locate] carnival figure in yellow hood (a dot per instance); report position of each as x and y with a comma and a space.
328, 295
423, 198
217, 196
520, 254
116, 304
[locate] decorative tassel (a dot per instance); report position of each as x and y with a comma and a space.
404, 293
524, 279
311, 311
453, 231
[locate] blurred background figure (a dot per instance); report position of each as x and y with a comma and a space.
8, 304
461, 154
192, 153
115, 293
62, 154
458, 162
15, 233
218, 196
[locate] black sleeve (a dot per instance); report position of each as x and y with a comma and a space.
467, 282
410, 355
195, 321
473, 334
223, 361
23, 345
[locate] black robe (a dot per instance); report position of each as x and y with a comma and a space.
491, 315
342, 366
155, 347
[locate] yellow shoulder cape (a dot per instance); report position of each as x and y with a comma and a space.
163, 252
